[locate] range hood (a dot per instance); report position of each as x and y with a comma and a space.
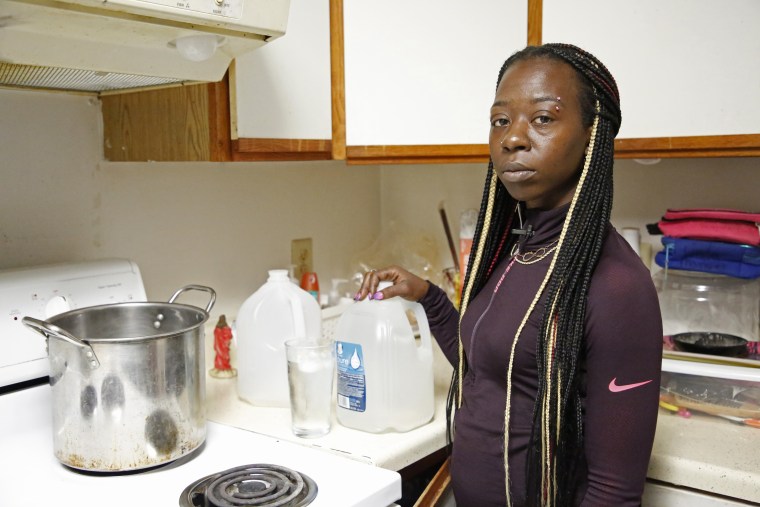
116, 45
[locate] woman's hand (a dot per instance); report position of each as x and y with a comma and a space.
405, 284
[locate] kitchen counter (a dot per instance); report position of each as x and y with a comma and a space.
391, 450
708, 454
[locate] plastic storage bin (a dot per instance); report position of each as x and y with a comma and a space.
692, 301
722, 390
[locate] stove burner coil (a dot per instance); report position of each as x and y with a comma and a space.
262, 485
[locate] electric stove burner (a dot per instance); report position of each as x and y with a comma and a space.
261, 485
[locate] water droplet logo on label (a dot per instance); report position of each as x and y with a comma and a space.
355, 361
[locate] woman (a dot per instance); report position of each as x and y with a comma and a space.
557, 344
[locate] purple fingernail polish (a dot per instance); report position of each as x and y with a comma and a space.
378, 296
357, 296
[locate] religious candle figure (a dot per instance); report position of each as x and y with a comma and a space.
222, 339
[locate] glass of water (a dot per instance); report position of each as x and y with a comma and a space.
311, 370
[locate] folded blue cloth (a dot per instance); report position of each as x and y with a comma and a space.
740, 261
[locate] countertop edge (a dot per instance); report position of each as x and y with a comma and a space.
687, 453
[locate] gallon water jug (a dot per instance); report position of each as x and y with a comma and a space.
385, 377
279, 310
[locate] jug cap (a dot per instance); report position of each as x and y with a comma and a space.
278, 274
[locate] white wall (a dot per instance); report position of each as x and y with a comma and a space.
642, 192
49, 151
222, 225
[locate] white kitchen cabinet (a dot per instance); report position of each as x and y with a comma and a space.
282, 90
684, 67
424, 72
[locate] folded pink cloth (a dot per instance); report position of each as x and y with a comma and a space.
732, 226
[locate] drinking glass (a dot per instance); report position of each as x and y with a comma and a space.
311, 370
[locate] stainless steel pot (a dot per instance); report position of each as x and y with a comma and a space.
128, 382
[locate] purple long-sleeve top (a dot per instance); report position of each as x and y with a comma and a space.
620, 374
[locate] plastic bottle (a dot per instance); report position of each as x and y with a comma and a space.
279, 310
468, 220
334, 297
385, 379
310, 283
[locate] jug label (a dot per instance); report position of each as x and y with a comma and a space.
352, 390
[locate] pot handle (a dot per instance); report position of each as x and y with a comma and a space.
202, 288
49, 330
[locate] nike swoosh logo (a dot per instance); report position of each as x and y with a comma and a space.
617, 389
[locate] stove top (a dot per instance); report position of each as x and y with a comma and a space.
263, 485
26, 441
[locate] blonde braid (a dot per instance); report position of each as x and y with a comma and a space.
548, 465
545, 441
473, 268
509, 371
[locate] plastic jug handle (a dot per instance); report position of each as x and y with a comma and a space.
299, 321
422, 323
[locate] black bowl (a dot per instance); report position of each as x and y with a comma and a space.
717, 344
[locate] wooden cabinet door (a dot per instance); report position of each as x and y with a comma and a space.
281, 92
424, 73
685, 68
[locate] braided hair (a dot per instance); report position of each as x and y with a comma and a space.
557, 437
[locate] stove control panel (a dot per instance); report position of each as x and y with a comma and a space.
44, 291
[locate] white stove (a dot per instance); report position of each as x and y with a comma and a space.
30, 475
44, 291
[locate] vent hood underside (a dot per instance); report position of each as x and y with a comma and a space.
53, 78
97, 50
